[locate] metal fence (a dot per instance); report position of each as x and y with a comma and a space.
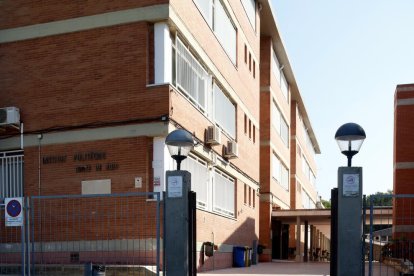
68, 235
390, 236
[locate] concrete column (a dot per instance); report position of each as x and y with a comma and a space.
306, 247
312, 242
298, 232
162, 53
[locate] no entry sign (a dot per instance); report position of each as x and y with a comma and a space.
13, 211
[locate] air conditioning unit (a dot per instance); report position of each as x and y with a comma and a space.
9, 116
213, 135
232, 149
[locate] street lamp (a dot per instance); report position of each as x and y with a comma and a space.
179, 142
350, 137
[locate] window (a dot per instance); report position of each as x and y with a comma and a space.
250, 196
254, 69
223, 187
280, 172
245, 124
215, 189
245, 193
217, 18
280, 77
308, 171
191, 78
224, 112
250, 129
307, 202
200, 178
250, 61
254, 134
280, 124
11, 174
254, 199
245, 53
250, 8
206, 9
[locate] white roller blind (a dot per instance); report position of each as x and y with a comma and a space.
224, 111
276, 167
223, 194
250, 8
206, 7
276, 117
275, 66
199, 178
224, 30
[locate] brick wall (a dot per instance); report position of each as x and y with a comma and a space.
28, 12
79, 78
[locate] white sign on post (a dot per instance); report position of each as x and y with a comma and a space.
13, 211
351, 185
175, 186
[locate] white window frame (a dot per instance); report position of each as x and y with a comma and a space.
11, 174
280, 76
278, 122
250, 9
183, 55
212, 15
197, 183
278, 169
220, 118
218, 207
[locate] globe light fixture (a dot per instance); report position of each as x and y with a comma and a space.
350, 137
179, 142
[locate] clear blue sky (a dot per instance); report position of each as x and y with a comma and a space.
347, 57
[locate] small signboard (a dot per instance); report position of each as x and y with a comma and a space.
13, 211
351, 185
175, 186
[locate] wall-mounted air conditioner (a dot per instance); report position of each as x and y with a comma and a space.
9, 116
232, 149
213, 135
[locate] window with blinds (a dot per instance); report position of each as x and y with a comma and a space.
279, 172
224, 194
250, 8
224, 111
216, 16
280, 124
280, 76
11, 174
199, 178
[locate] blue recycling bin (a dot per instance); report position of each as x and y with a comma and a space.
239, 256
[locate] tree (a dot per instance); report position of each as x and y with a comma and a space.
380, 198
326, 203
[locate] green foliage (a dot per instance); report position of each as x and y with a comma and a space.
380, 199
326, 203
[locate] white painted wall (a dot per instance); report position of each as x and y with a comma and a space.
162, 53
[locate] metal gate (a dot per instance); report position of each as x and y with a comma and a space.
69, 235
390, 235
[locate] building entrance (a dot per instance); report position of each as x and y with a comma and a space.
280, 240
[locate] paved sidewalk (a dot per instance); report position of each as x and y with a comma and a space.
280, 268
275, 269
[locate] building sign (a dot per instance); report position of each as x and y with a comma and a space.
13, 211
175, 186
350, 185
94, 161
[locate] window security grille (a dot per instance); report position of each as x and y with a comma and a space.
223, 194
191, 78
11, 174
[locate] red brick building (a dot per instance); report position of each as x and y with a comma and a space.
403, 160
99, 84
